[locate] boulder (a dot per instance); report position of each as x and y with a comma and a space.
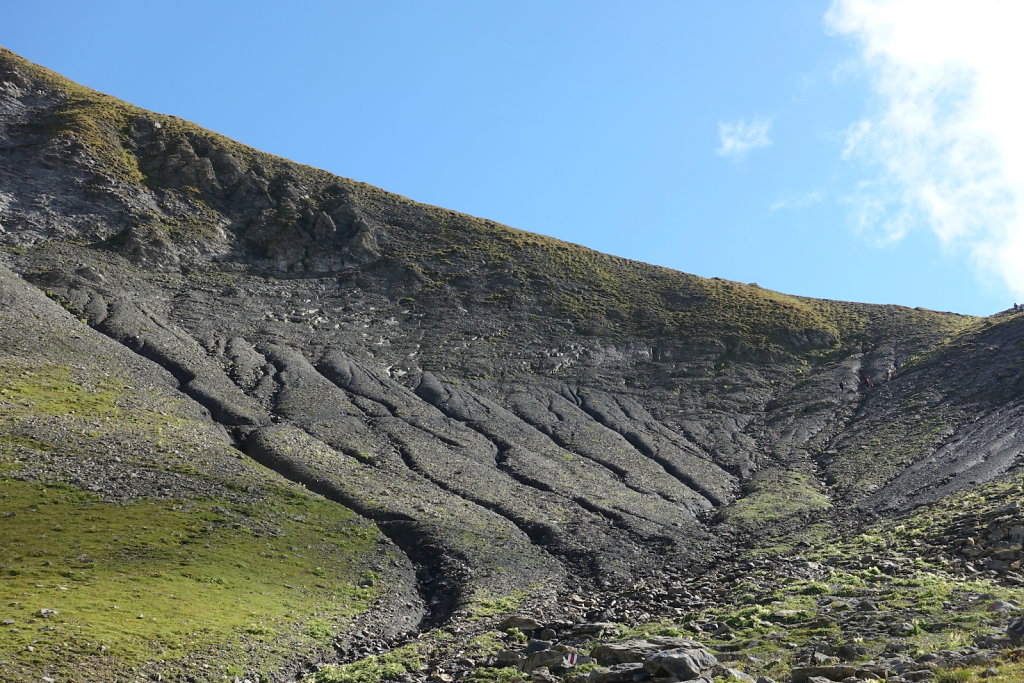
559, 660
594, 629
812, 674
503, 659
1015, 629
544, 658
523, 623
620, 673
637, 650
684, 663
731, 675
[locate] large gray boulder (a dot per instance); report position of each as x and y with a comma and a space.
637, 650
685, 663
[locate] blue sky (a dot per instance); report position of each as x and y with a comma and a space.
760, 142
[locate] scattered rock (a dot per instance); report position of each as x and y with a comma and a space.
523, 623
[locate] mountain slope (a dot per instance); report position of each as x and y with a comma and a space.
517, 417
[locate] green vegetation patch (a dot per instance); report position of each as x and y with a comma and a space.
965, 510
113, 589
51, 389
509, 674
926, 611
776, 495
390, 666
98, 123
881, 586
486, 605
83, 411
410, 658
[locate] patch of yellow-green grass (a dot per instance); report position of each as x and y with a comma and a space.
510, 674
776, 495
809, 535
930, 612
391, 666
484, 605
397, 663
1009, 670
612, 295
51, 389
85, 411
146, 585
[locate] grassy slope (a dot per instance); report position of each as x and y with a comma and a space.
184, 557
616, 296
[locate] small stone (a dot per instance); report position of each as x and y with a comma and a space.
732, 675
538, 646
620, 673
543, 659
822, 659
505, 658
46, 613
543, 675
1001, 606
521, 622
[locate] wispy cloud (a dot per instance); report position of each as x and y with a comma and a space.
947, 141
797, 200
737, 138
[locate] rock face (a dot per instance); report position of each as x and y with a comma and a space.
517, 415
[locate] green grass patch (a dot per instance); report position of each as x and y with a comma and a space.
391, 666
508, 674
484, 605
775, 495
155, 581
51, 389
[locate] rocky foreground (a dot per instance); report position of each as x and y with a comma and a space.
897, 601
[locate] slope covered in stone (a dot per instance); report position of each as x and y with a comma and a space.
517, 416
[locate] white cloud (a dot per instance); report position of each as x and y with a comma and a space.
948, 140
797, 201
739, 137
